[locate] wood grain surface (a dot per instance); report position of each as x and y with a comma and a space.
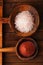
10, 38
22, 0
1, 14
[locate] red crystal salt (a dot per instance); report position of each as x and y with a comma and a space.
27, 48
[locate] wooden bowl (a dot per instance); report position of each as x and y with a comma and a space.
29, 57
19, 9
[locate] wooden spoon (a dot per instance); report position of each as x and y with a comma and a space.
5, 20
14, 49
10, 49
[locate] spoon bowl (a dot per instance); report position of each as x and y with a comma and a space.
30, 55
19, 9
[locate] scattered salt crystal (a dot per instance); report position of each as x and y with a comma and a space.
24, 21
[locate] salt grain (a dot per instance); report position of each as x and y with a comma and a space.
24, 21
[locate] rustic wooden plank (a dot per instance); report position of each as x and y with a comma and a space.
0, 42
8, 6
16, 59
1, 14
9, 44
23, 0
23, 63
38, 35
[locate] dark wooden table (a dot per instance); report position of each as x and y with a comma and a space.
10, 39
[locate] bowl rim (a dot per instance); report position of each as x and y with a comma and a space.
29, 58
18, 33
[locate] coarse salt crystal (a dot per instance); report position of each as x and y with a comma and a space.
24, 21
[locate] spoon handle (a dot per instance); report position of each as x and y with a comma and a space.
10, 49
5, 20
